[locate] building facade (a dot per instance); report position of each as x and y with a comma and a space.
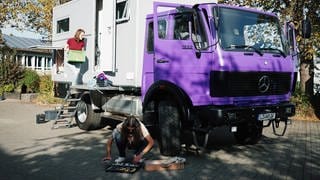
27, 55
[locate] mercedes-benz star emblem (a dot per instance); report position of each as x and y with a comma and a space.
264, 84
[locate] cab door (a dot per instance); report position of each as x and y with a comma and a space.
181, 52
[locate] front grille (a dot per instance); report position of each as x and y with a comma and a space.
234, 84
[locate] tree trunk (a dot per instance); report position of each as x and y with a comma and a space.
306, 81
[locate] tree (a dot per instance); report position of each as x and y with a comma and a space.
10, 71
7, 11
292, 10
39, 14
34, 15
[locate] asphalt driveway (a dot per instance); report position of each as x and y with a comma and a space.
36, 152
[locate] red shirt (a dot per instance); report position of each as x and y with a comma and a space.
74, 44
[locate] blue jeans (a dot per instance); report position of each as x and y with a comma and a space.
116, 135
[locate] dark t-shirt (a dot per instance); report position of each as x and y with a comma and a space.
74, 44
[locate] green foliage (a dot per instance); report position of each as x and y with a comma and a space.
304, 107
10, 71
301, 99
46, 85
46, 95
31, 80
1, 90
8, 88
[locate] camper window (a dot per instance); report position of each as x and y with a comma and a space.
122, 12
63, 25
63, 1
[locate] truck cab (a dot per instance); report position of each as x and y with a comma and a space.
210, 65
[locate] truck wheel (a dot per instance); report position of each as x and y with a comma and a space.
169, 128
249, 133
86, 118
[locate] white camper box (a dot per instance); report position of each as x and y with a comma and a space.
115, 31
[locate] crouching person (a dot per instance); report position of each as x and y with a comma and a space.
130, 134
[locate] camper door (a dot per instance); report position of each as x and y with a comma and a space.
106, 35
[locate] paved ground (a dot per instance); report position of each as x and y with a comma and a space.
35, 152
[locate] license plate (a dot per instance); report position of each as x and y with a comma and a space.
266, 116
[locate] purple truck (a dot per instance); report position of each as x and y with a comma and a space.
215, 65
204, 66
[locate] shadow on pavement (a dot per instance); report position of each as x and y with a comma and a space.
78, 156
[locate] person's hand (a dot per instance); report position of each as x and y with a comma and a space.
137, 158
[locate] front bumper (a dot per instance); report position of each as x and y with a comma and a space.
217, 115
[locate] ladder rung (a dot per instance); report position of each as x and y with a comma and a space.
69, 107
62, 108
66, 115
72, 100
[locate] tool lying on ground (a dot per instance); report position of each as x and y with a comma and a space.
123, 167
173, 163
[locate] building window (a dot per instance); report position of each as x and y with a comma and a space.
63, 25
122, 11
19, 59
38, 63
28, 62
48, 63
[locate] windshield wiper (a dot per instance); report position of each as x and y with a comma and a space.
274, 49
246, 47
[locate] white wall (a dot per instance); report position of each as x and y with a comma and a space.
127, 61
82, 15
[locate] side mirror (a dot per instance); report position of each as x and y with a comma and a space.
306, 28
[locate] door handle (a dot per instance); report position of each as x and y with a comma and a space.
162, 61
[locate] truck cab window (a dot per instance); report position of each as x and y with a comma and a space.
240, 29
182, 25
291, 39
150, 45
162, 30
199, 37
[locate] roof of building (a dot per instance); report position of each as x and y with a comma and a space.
22, 42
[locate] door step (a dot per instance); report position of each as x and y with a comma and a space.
63, 115
66, 112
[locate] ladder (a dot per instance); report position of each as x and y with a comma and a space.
65, 112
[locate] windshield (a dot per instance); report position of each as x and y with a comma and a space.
248, 31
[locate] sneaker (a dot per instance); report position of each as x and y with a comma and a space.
119, 159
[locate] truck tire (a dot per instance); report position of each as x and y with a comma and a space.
169, 128
86, 118
249, 133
